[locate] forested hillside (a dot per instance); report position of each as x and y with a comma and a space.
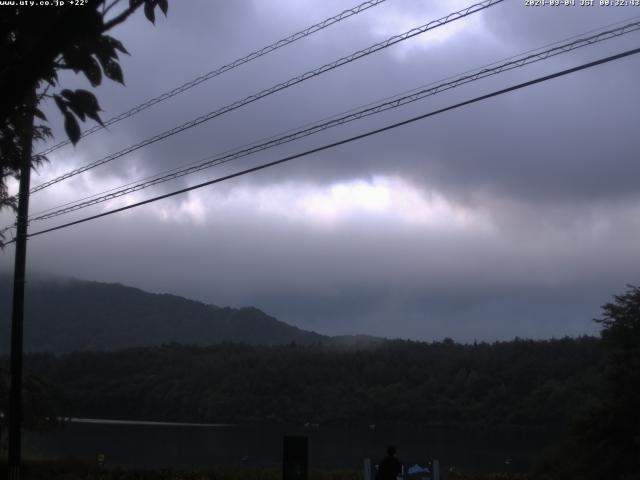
64, 315
528, 383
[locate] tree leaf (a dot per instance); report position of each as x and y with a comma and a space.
41, 132
115, 43
62, 105
38, 159
77, 110
164, 6
91, 69
88, 103
113, 71
105, 60
73, 104
38, 113
71, 127
149, 10
87, 100
105, 51
95, 117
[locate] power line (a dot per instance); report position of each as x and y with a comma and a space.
276, 88
354, 109
347, 140
413, 90
622, 30
295, 135
225, 68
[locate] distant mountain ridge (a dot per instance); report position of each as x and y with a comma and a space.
64, 315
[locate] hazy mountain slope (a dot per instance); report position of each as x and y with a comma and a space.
67, 315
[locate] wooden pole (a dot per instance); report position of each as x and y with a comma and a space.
17, 313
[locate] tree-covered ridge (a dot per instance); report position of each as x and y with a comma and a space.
528, 383
64, 315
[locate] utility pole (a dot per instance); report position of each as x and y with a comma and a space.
17, 313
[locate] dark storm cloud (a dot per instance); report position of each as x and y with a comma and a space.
532, 143
529, 143
548, 174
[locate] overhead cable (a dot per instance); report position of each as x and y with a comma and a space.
627, 21
276, 88
225, 68
345, 141
218, 159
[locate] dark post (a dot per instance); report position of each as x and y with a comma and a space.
295, 458
15, 392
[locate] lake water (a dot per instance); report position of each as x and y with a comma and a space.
162, 445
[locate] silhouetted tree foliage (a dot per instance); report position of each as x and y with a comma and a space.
40, 401
525, 383
605, 438
36, 43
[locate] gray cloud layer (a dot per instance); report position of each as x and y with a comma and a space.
549, 174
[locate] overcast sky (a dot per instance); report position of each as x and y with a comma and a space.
517, 216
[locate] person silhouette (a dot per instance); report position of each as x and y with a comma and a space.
389, 467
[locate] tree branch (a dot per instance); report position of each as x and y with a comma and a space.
106, 9
122, 17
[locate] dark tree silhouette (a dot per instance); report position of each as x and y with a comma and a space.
38, 42
604, 440
618, 426
41, 402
